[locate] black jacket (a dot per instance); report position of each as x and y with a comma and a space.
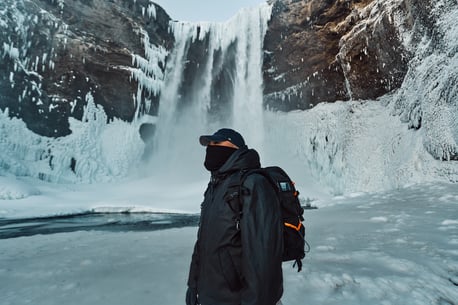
239, 267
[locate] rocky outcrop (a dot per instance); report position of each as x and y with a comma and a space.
324, 51
56, 52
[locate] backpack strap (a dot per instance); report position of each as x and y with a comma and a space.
298, 262
236, 190
233, 195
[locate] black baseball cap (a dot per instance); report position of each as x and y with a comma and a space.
224, 134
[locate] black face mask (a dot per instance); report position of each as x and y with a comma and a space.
216, 156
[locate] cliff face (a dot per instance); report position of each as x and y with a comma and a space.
323, 51
95, 60
55, 52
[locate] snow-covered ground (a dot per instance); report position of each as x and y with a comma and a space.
396, 247
22, 197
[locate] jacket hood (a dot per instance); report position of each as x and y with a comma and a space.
243, 158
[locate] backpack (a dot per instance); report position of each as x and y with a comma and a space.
292, 213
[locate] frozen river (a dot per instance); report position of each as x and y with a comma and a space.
114, 222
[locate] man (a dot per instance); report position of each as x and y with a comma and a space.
238, 254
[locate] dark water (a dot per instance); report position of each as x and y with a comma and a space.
114, 222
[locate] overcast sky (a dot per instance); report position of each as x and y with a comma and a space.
205, 10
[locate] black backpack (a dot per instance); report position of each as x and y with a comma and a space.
292, 213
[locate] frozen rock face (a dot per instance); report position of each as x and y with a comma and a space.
427, 100
323, 51
56, 52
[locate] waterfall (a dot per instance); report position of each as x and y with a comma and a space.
213, 80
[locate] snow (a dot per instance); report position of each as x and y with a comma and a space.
22, 197
96, 268
12, 188
344, 146
96, 156
429, 93
10, 50
148, 74
405, 258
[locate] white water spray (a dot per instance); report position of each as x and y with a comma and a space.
233, 47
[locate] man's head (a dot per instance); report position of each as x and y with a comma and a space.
224, 137
220, 146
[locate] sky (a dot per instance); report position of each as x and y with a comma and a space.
205, 10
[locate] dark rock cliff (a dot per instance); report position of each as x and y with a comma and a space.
55, 52
323, 51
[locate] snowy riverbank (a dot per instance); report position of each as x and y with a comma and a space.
397, 247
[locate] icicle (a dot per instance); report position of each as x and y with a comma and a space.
151, 10
148, 73
61, 4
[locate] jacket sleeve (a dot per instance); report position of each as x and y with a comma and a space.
193, 270
262, 244
195, 260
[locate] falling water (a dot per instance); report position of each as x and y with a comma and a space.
213, 80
